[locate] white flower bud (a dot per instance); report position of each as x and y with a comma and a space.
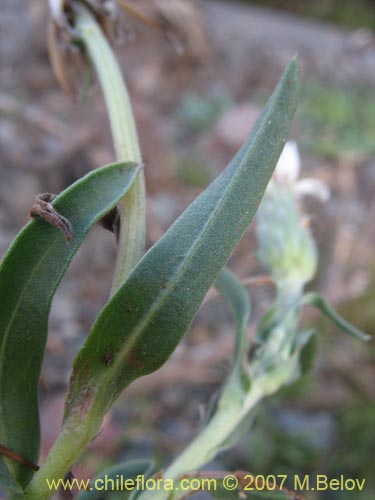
289, 164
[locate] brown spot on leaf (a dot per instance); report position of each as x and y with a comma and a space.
107, 358
134, 358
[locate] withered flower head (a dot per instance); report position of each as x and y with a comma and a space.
179, 21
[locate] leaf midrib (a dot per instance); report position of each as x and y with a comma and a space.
182, 268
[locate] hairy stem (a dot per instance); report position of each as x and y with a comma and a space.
132, 209
73, 439
70, 444
235, 408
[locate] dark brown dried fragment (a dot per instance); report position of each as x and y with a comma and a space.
6, 452
43, 208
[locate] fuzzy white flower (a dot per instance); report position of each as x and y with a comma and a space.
289, 165
288, 169
56, 8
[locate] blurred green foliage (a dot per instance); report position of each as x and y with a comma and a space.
355, 447
323, 442
199, 113
349, 13
337, 121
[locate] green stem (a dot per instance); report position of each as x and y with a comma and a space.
132, 209
234, 407
68, 446
208, 442
75, 436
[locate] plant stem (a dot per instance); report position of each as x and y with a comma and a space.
132, 209
208, 443
233, 410
73, 439
204, 448
68, 446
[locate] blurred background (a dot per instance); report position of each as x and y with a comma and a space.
193, 109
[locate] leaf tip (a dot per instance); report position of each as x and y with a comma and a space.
293, 70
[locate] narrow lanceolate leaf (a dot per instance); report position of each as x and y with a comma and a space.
8, 483
29, 275
316, 300
146, 319
238, 299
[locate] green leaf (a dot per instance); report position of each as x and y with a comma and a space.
29, 276
7, 483
238, 383
121, 475
307, 344
238, 299
145, 320
316, 300
239, 302
266, 324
